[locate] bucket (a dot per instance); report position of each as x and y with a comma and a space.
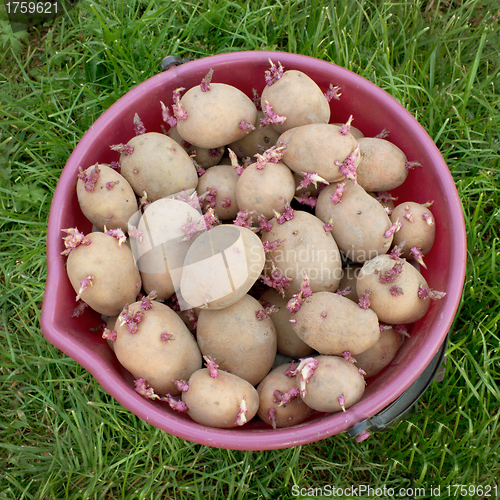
373, 110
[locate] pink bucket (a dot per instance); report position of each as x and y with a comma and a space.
373, 110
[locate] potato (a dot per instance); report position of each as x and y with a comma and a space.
161, 350
379, 355
298, 98
289, 342
108, 270
335, 385
157, 165
271, 390
214, 117
359, 222
320, 149
257, 141
306, 247
418, 228
110, 201
240, 343
223, 401
205, 158
265, 190
348, 281
393, 290
221, 266
222, 178
382, 166
160, 251
332, 324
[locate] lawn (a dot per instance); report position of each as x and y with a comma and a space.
61, 434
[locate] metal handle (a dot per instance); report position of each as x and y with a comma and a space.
170, 61
405, 404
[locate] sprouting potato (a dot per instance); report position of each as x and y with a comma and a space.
105, 197
158, 165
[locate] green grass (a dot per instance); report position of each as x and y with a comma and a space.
61, 435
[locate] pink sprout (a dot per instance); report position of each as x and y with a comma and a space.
417, 254
295, 303
175, 404
256, 99
244, 218
271, 116
341, 402
179, 112
293, 320
412, 164
272, 245
111, 184
234, 162
186, 145
138, 125
364, 300
307, 199
276, 280
337, 196
408, 216
134, 232
131, 319
199, 169
401, 329
147, 302
173, 303
290, 371
246, 126
272, 155
265, 312
287, 214
181, 385
346, 291
84, 284
205, 83
395, 227
264, 224
388, 211
288, 396
165, 337
241, 417
391, 275
143, 201
348, 168
123, 149
396, 253
74, 239
346, 128
311, 178
428, 204
333, 92
347, 356
396, 291
323, 314
273, 74
167, 116
428, 219
305, 369
271, 414
191, 316
209, 197
109, 334
116, 233
78, 310
383, 328
383, 134
89, 179
329, 225
361, 372
213, 367
429, 293
143, 388
385, 197
225, 202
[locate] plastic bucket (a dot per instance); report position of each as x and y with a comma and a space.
373, 110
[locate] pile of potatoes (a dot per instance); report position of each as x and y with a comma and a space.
249, 260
